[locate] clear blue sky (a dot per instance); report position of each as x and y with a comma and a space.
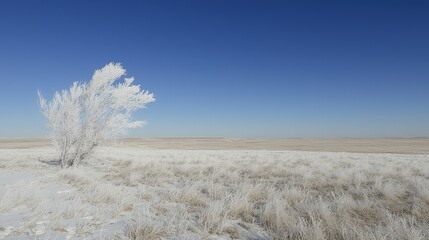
228, 68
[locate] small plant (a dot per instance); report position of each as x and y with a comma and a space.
89, 113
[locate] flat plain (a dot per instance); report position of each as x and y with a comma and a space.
218, 188
364, 145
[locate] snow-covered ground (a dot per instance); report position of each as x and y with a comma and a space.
132, 193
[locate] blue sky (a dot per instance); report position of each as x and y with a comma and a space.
228, 68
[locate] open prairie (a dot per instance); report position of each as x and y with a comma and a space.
365, 145
174, 188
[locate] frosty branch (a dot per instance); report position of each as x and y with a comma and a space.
89, 113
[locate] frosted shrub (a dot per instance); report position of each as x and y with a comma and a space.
89, 113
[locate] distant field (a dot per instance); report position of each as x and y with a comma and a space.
386, 145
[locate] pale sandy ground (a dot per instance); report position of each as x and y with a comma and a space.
384, 145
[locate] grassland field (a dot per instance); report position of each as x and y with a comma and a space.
218, 188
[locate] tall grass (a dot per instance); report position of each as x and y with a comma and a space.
181, 194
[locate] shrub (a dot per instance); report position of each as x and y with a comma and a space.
89, 113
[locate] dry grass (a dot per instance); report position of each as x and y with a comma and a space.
177, 194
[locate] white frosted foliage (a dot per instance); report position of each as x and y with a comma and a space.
89, 113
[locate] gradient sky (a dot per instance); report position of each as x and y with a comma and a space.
228, 68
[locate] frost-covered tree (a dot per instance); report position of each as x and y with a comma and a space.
90, 113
